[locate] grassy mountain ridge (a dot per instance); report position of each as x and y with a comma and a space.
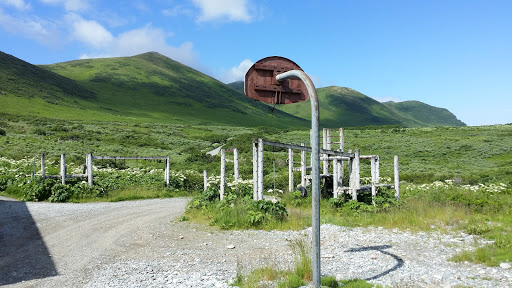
345, 107
425, 113
22, 78
153, 86
144, 88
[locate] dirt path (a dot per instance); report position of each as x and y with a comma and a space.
122, 244
141, 244
53, 245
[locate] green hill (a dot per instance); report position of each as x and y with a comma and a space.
237, 85
416, 110
345, 107
144, 88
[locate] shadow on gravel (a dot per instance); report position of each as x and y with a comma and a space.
399, 261
23, 253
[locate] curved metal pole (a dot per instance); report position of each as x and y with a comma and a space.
315, 173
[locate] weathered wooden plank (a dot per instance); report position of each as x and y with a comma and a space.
235, 159
67, 176
255, 171
89, 168
397, 180
303, 148
303, 166
128, 158
63, 168
290, 170
222, 172
260, 169
308, 168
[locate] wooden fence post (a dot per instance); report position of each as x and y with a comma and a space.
374, 178
63, 168
325, 143
335, 177
222, 172
235, 155
89, 168
260, 169
290, 170
43, 166
397, 180
255, 171
377, 168
355, 172
357, 162
303, 166
350, 174
205, 179
167, 170
341, 167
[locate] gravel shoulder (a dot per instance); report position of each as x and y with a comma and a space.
141, 244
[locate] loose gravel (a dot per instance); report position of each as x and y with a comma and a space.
141, 244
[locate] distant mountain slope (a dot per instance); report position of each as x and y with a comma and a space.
237, 85
152, 86
425, 113
345, 107
23, 79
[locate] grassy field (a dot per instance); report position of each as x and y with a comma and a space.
451, 178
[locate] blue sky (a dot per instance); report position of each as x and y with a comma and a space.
451, 54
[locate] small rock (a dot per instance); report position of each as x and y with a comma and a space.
505, 265
230, 246
181, 237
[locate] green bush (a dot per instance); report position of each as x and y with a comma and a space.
2, 132
60, 193
38, 190
5, 181
329, 281
237, 209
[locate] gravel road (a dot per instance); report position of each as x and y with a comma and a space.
141, 244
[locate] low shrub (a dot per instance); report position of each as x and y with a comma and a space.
38, 190
236, 209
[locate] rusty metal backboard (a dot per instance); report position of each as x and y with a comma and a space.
261, 85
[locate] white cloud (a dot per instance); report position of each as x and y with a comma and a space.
236, 73
18, 4
231, 10
143, 40
42, 31
388, 98
89, 32
176, 11
70, 5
